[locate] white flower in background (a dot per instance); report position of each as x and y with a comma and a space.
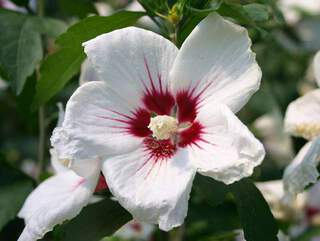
104, 9
143, 75
281, 236
60, 197
3, 85
277, 143
145, 21
303, 119
292, 8
273, 193
135, 230
11, 6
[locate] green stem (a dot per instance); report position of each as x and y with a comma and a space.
177, 234
41, 140
41, 113
40, 8
174, 34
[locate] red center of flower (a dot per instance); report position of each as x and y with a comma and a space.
183, 106
159, 149
157, 100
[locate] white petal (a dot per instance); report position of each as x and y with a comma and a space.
303, 170
152, 191
303, 116
228, 150
316, 67
57, 199
132, 60
88, 73
57, 165
216, 57
90, 129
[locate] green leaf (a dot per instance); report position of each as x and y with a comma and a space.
96, 25
257, 12
80, 8
205, 220
56, 71
95, 222
12, 198
213, 192
15, 187
21, 48
196, 11
256, 218
237, 12
49, 26
61, 66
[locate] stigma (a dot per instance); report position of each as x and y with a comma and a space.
163, 127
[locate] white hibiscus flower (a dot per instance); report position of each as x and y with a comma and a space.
292, 8
303, 119
273, 193
158, 115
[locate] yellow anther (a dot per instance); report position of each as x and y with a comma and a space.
163, 126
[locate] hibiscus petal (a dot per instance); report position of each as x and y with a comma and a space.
303, 170
57, 199
217, 61
303, 116
88, 73
152, 191
95, 125
227, 150
133, 62
316, 67
56, 164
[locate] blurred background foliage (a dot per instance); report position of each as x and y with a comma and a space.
40, 60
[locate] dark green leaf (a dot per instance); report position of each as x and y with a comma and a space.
257, 220
60, 67
196, 11
96, 25
56, 71
80, 8
237, 12
21, 48
257, 12
9, 174
24, 101
205, 220
95, 222
15, 187
208, 189
188, 26
49, 26
11, 199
